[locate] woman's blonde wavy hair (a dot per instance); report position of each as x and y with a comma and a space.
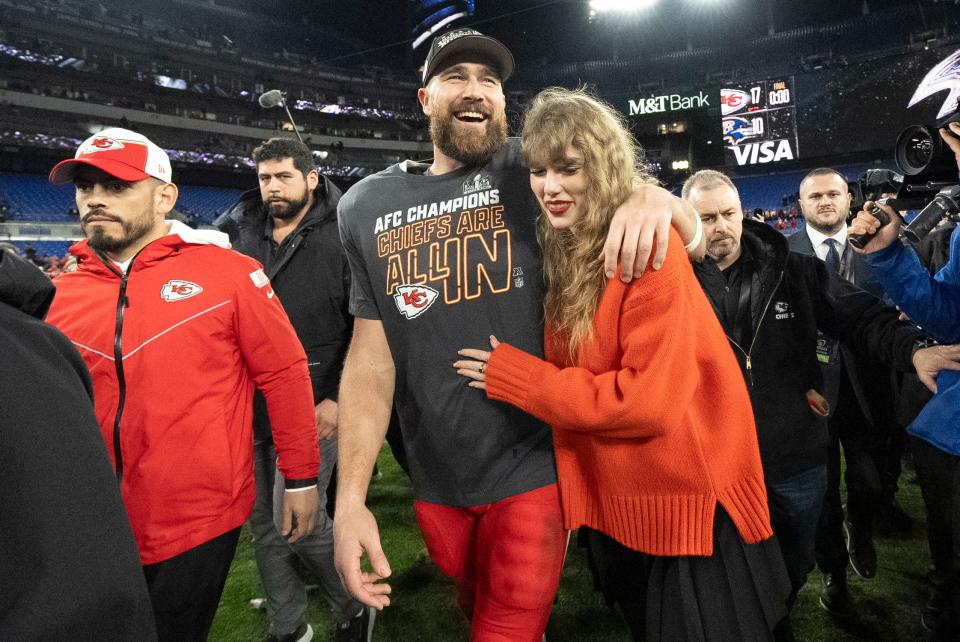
556, 120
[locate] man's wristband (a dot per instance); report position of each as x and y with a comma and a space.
295, 485
698, 235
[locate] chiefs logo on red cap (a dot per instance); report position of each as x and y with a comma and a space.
102, 144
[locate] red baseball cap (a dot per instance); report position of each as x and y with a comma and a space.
121, 153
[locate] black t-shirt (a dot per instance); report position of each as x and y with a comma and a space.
733, 302
444, 262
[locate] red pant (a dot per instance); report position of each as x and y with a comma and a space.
505, 559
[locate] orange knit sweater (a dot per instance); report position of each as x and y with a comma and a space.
653, 426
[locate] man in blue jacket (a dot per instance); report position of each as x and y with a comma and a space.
932, 302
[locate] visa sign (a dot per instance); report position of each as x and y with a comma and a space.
668, 102
769, 151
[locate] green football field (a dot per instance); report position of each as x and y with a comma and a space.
423, 606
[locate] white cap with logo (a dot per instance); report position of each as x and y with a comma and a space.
122, 153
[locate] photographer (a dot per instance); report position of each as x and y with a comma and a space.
933, 302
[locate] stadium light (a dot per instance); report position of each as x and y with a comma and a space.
622, 6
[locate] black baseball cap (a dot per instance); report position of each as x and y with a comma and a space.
467, 45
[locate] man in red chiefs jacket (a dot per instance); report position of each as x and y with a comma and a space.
176, 330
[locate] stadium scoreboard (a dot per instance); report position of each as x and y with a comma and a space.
759, 122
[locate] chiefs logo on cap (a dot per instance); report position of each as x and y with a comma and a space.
101, 144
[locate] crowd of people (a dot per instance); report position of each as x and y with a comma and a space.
560, 344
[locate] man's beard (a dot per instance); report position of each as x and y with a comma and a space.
473, 148
820, 223
286, 208
132, 231
718, 252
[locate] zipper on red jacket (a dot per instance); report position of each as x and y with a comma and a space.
747, 353
122, 304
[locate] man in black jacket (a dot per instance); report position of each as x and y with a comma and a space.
771, 303
68, 562
290, 225
858, 389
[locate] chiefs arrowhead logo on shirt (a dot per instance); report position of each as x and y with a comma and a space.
413, 300
176, 290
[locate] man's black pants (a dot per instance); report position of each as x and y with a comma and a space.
862, 451
939, 475
185, 590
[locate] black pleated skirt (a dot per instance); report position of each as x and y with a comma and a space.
737, 594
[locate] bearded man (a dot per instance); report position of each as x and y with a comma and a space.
858, 390
442, 253
289, 225
177, 330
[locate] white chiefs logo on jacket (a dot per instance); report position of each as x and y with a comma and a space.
176, 290
413, 300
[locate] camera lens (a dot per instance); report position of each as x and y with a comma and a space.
919, 151
915, 149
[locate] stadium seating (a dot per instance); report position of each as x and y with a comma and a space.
32, 198
768, 191
206, 203
44, 248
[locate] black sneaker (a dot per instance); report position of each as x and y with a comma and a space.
834, 597
304, 633
863, 555
359, 629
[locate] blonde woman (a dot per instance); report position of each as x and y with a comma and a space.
654, 436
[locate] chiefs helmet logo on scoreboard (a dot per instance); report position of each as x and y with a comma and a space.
733, 100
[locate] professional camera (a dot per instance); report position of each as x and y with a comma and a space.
873, 185
928, 164
930, 177
929, 189
946, 204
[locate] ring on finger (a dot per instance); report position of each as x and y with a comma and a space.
482, 367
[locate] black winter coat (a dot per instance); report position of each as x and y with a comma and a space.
310, 275
69, 568
869, 379
793, 296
